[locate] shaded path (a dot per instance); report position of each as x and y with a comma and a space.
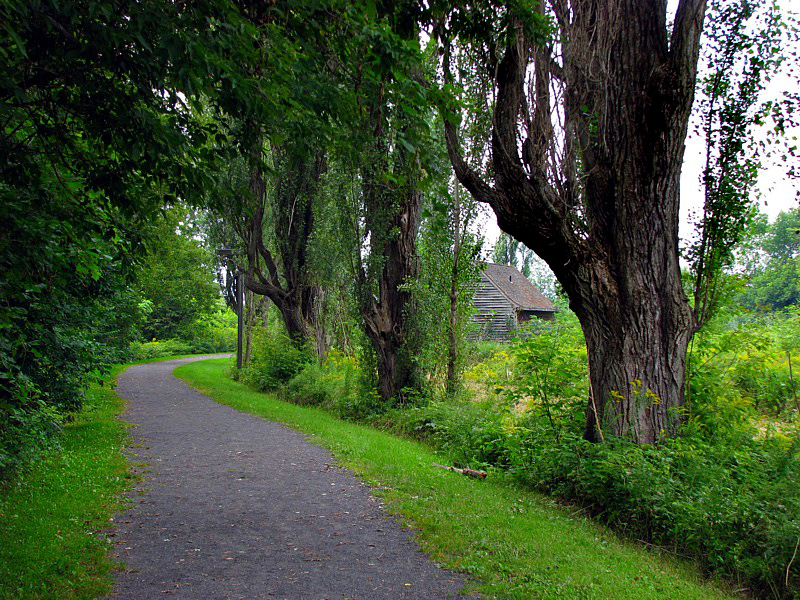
232, 506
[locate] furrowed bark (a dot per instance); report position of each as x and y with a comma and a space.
600, 206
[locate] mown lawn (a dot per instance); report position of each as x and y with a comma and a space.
515, 543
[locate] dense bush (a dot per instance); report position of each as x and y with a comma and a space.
210, 334
158, 349
337, 386
275, 360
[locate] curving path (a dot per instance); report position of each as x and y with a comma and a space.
232, 506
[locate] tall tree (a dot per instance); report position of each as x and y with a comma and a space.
96, 134
391, 223
741, 51
285, 276
449, 258
391, 94
587, 144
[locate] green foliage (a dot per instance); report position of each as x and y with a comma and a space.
211, 334
740, 368
66, 311
27, 430
774, 281
337, 386
721, 492
744, 47
158, 349
176, 277
729, 503
96, 136
551, 374
474, 434
449, 263
275, 360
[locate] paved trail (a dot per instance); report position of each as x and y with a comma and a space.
238, 507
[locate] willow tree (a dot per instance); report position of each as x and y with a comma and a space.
591, 106
283, 273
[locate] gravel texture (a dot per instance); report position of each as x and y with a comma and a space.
232, 506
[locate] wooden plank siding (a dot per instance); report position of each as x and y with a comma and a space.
504, 299
494, 312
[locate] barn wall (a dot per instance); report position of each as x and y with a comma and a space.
493, 311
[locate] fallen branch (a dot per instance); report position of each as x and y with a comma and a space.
467, 472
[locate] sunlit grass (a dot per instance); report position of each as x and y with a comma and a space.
516, 543
54, 516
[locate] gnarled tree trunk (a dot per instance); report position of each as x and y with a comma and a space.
392, 220
587, 145
286, 281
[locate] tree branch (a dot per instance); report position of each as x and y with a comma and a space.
686, 34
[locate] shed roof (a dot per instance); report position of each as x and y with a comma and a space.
516, 287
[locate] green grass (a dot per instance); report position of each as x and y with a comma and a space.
517, 544
53, 515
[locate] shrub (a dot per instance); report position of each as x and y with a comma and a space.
275, 361
27, 428
337, 385
159, 349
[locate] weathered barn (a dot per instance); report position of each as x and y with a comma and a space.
505, 299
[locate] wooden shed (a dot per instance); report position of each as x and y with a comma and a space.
505, 298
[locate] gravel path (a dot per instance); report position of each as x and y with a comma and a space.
232, 506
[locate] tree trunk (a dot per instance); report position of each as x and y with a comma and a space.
452, 342
390, 175
599, 203
636, 342
286, 280
249, 325
385, 316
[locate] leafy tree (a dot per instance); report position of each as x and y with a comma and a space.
176, 277
389, 74
449, 258
741, 51
776, 284
278, 175
96, 135
290, 200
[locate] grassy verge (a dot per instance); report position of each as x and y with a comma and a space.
516, 543
52, 516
